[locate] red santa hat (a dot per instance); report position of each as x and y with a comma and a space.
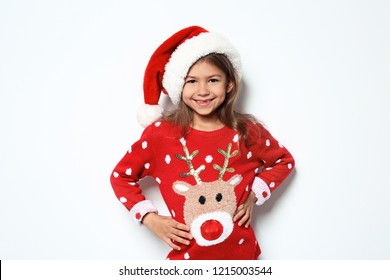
169, 65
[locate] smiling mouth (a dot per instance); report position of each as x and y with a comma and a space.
203, 103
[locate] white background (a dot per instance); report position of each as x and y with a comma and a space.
315, 72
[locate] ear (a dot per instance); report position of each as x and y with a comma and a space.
181, 187
229, 87
235, 180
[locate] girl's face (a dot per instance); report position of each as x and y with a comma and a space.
204, 90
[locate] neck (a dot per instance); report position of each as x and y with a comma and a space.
206, 124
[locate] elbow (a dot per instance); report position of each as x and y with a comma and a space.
113, 177
290, 162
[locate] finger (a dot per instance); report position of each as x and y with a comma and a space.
181, 226
238, 215
171, 244
239, 208
248, 222
181, 230
181, 240
250, 213
243, 219
241, 213
182, 234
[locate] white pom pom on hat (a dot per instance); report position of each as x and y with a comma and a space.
147, 114
169, 65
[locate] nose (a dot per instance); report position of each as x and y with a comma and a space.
203, 89
211, 230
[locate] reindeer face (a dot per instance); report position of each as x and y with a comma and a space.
209, 208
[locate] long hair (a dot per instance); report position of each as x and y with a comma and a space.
182, 116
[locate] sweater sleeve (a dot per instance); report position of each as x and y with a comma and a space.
137, 163
277, 165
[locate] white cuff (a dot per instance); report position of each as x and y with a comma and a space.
141, 209
261, 190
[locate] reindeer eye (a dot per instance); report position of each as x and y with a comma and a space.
218, 197
202, 200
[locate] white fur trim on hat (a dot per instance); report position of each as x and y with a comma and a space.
188, 53
147, 114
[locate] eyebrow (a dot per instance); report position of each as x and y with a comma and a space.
211, 76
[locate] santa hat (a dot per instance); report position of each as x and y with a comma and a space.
169, 65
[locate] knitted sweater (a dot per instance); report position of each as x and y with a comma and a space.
203, 178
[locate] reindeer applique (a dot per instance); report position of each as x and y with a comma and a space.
209, 206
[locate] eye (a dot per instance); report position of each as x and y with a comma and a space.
213, 80
218, 197
190, 81
202, 200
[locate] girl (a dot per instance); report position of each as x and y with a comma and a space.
212, 164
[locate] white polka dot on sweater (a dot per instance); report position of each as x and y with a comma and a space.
168, 159
183, 141
272, 185
128, 171
280, 145
249, 155
186, 256
241, 241
235, 138
279, 160
268, 143
144, 145
123, 199
115, 174
173, 213
158, 180
268, 168
247, 188
289, 166
209, 159
157, 124
132, 183
129, 150
147, 165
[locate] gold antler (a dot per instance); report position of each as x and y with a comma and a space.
188, 158
227, 155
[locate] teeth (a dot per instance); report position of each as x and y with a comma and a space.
202, 102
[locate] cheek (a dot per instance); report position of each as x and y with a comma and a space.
223, 91
185, 96
222, 97
188, 91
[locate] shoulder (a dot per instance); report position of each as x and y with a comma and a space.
255, 129
158, 129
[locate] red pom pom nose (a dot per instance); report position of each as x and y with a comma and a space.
211, 230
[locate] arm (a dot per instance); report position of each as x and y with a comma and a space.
137, 163
278, 164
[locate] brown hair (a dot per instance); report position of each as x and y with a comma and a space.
226, 112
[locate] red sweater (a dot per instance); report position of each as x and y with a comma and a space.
203, 178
